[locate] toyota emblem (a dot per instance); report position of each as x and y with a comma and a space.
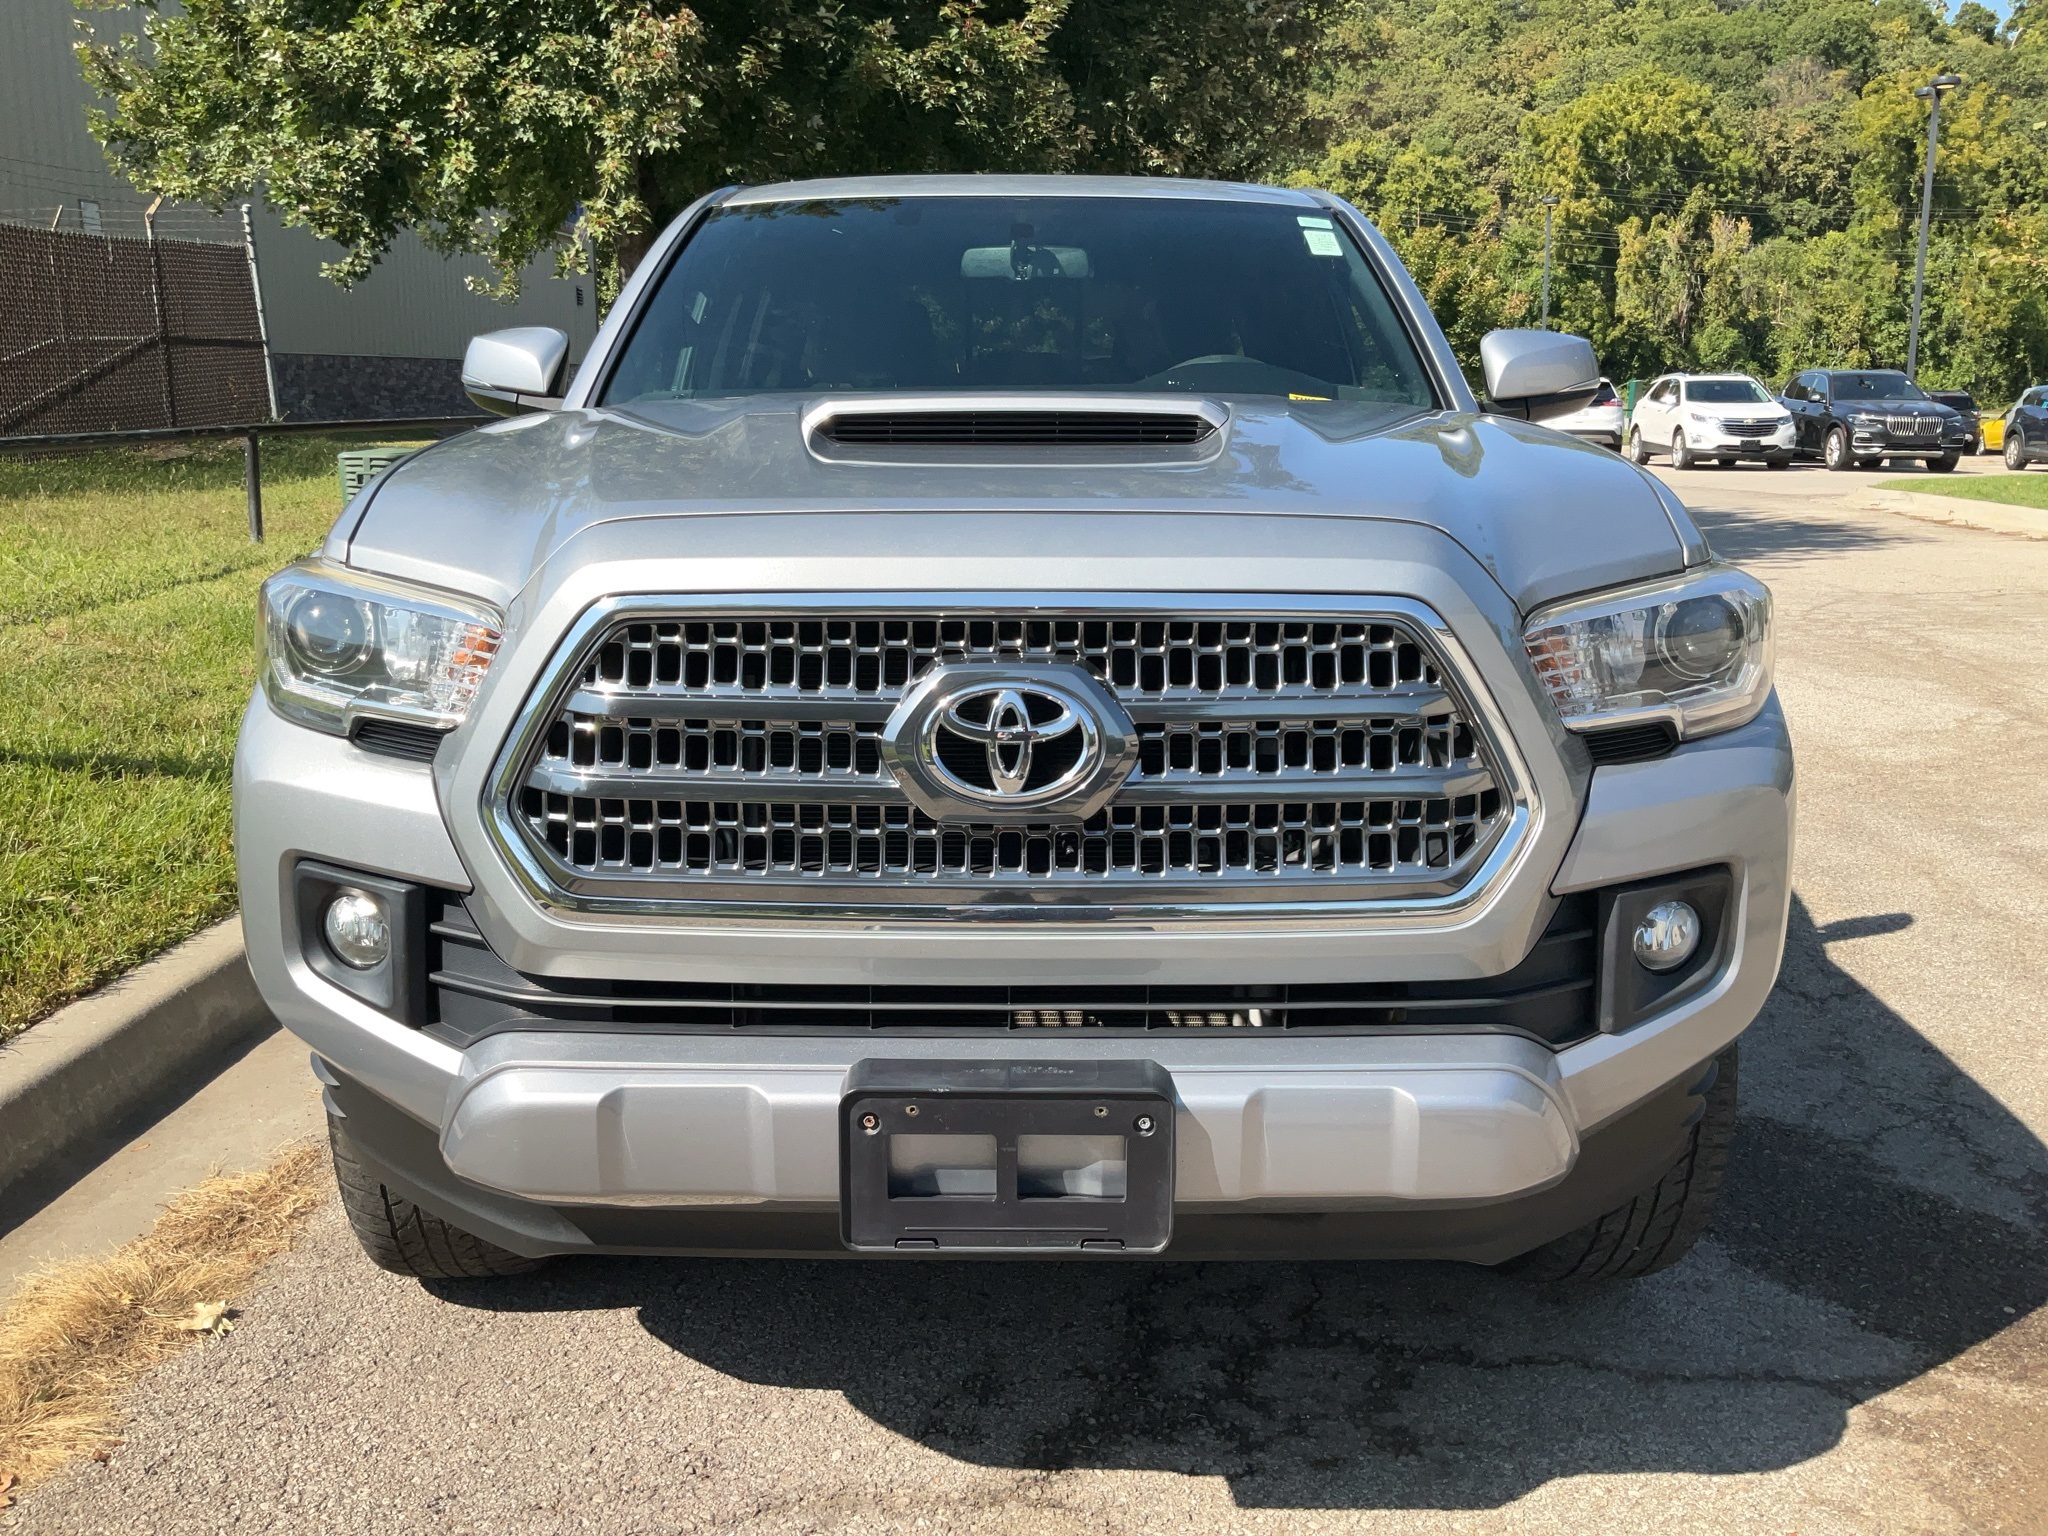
1019, 730
985, 742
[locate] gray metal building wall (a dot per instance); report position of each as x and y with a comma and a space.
392, 345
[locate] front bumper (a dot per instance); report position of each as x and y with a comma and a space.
710, 1128
1776, 449
1866, 443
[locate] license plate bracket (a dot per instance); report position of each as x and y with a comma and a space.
1006, 1157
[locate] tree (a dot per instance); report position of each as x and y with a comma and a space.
1739, 180
518, 127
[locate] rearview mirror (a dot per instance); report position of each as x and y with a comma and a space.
1537, 374
1021, 262
516, 371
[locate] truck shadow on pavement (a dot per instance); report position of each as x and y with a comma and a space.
1738, 536
1883, 1213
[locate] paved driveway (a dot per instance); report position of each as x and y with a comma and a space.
1859, 1347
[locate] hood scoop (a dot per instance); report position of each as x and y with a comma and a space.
1013, 430
1049, 429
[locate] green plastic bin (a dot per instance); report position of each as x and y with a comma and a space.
357, 466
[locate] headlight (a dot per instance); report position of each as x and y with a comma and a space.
339, 645
1701, 417
1694, 650
1865, 419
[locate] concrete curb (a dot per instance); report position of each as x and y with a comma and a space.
74, 1077
1996, 516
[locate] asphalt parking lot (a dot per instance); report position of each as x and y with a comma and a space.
1860, 1346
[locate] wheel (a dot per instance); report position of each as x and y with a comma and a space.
1777, 463
400, 1237
1870, 463
1945, 463
1681, 456
1638, 450
2015, 448
1835, 451
1725, 463
1657, 1228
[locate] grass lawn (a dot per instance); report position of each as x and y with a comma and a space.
127, 635
2021, 490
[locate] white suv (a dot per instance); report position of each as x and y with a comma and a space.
1718, 417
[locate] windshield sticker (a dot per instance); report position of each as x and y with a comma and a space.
1320, 235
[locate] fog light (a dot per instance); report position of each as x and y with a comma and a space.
1667, 936
360, 935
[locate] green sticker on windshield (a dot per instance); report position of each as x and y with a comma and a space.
1319, 235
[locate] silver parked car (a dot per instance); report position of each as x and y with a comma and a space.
1019, 716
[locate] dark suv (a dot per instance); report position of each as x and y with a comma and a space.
1865, 416
1964, 404
2026, 428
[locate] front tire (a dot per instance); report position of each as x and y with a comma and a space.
1945, 463
1638, 450
1835, 451
1681, 455
2015, 449
400, 1237
1659, 1227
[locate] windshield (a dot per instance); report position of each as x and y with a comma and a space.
1875, 386
1183, 295
1726, 392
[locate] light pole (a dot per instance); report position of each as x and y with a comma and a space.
1932, 91
1549, 207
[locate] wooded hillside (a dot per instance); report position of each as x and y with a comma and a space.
1738, 180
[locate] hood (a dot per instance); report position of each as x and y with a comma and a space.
1548, 516
1897, 403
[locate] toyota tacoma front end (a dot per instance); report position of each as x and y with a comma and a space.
1019, 716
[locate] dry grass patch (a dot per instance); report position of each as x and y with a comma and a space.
75, 1338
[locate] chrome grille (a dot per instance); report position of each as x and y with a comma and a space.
806, 838
876, 655
1748, 428
737, 757
1913, 426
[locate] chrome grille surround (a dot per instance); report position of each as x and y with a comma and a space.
1914, 428
718, 757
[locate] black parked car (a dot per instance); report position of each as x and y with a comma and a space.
1865, 416
2026, 429
1964, 404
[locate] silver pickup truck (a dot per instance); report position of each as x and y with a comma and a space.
1032, 717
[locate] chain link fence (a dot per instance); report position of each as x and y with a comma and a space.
104, 333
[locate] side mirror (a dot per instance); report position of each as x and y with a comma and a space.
1537, 374
514, 372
